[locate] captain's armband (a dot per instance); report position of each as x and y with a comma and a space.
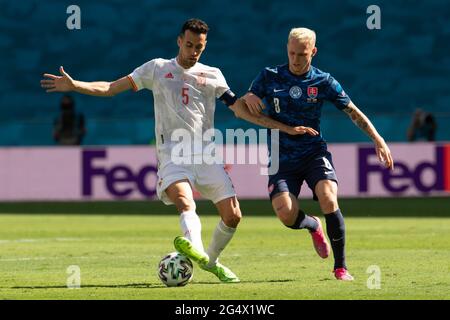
228, 98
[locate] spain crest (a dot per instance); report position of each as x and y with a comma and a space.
201, 79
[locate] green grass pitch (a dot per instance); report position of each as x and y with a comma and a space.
117, 247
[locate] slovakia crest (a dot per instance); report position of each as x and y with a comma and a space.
295, 92
313, 92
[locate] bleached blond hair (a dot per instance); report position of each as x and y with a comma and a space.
303, 34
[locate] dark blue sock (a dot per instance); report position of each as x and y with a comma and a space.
304, 221
336, 233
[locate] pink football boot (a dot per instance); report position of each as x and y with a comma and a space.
320, 241
342, 274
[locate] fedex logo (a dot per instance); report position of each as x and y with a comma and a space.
120, 180
407, 176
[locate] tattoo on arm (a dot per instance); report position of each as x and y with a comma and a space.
361, 121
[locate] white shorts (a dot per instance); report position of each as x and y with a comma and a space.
211, 180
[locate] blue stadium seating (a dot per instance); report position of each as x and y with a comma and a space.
388, 72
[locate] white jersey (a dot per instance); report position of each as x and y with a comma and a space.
183, 98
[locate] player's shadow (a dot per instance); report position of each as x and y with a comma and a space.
141, 285
325, 279
118, 286
245, 281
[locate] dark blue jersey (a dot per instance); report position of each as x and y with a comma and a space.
297, 101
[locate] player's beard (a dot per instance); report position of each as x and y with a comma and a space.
191, 62
186, 62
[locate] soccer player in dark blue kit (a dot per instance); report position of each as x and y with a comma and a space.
295, 93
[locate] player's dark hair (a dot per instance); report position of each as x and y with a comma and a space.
195, 25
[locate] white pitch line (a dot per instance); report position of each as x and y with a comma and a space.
276, 254
42, 240
145, 257
41, 258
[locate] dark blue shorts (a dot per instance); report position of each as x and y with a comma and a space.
290, 177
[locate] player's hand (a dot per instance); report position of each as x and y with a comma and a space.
54, 83
254, 103
384, 154
302, 130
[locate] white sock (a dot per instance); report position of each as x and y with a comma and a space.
192, 228
221, 237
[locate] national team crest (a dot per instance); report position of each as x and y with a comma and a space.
201, 79
295, 92
313, 92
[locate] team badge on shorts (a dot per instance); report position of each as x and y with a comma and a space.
295, 92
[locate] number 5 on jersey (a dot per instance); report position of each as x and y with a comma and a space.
185, 96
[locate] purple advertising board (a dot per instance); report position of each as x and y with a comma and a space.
130, 173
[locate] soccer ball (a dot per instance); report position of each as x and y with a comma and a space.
175, 270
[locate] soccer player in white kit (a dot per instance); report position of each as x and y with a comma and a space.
184, 93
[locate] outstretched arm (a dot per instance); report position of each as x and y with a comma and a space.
361, 120
65, 83
241, 111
